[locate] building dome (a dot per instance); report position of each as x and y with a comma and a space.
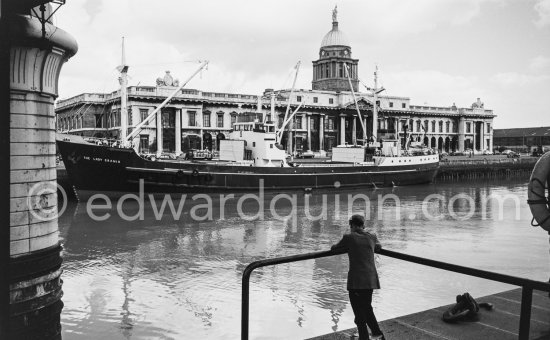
335, 37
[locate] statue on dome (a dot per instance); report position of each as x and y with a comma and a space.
335, 14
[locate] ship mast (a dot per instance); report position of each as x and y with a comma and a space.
280, 134
356, 106
375, 91
123, 80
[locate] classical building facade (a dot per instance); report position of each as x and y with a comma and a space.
196, 119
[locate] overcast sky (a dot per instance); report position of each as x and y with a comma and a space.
437, 52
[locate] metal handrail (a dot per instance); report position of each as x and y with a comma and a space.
526, 284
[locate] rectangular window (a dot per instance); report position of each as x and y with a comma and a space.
206, 119
488, 127
391, 104
130, 118
418, 128
144, 144
331, 123
440, 127
192, 115
271, 146
143, 113
315, 99
168, 120
433, 125
403, 105
233, 120
468, 127
331, 101
447, 127
298, 98
298, 122
220, 121
98, 121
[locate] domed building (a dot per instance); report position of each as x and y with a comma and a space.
328, 113
329, 71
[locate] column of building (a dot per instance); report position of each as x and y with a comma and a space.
35, 262
322, 134
342, 129
461, 133
482, 136
308, 122
354, 131
178, 132
159, 132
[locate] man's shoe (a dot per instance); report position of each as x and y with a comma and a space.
378, 337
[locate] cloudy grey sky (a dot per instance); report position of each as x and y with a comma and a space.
436, 52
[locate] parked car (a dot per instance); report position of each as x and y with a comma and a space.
506, 152
512, 154
487, 152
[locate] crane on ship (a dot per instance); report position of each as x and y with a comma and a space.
287, 118
374, 91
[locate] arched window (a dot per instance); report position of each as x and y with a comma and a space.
433, 125
440, 126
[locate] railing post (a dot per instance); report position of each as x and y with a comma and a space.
245, 302
525, 315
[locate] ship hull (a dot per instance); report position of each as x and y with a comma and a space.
93, 168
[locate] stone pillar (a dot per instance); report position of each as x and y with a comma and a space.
35, 261
159, 132
461, 133
482, 136
342, 129
308, 122
354, 131
322, 134
178, 132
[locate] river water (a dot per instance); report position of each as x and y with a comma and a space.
175, 277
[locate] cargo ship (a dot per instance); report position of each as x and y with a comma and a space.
250, 159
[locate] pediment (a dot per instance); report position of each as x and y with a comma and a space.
363, 103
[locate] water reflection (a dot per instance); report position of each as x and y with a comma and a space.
182, 279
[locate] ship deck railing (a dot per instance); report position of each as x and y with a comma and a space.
527, 285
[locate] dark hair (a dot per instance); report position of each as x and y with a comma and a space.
357, 220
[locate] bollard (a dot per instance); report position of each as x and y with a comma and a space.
36, 57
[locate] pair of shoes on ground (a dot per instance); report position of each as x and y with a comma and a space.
373, 337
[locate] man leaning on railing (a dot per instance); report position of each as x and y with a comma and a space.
362, 275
